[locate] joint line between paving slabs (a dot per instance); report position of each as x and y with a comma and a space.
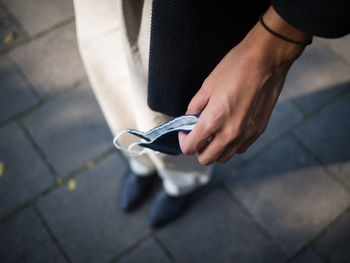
14, 19
337, 55
321, 254
51, 234
163, 247
85, 167
289, 132
254, 220
38, 149
43, 102
133, 246
27, 204
24, 78
54, 186
324, 165
38, 35
313, 241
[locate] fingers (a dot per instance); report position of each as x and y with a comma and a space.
207, 126
239, 147
212, 152
229, 152
196, 140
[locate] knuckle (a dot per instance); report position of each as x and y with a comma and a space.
209, 126
233, 133
186, 150
206, 82
193, 107
261, 130
250, 133
241, 151
216, 119
203, 161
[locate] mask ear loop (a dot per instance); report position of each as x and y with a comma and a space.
144, 151
117, 143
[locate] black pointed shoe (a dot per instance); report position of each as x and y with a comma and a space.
165, 208
135, 189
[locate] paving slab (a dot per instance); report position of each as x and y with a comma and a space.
316, 77
289, 194
15, 95
327, 136
283, 117
38, 15
221, 171
51, 62
148, 251
24, 239
25, 174
336, 243
308, 257
87, 221
70, 130
216, 230
9, 32
339, 46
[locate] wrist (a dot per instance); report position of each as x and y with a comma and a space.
278, 25
269, 46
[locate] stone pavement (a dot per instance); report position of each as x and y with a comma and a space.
286, 200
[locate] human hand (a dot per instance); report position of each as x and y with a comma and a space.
237, 98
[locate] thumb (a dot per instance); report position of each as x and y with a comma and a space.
182, 138
196, 105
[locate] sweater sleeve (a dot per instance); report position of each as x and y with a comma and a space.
323, 18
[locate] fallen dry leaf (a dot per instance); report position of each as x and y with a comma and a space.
72, 184
90, 164
58, 180
2, 168
9, 38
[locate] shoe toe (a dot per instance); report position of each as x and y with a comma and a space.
165, 208
134, 189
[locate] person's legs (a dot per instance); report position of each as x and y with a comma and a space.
114, 38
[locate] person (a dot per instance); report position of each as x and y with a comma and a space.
148, 61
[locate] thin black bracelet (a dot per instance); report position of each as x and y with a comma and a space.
283, 37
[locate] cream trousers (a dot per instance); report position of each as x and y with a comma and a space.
113, 38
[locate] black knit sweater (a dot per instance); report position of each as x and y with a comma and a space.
190, 37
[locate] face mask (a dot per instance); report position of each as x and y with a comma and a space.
162, 138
